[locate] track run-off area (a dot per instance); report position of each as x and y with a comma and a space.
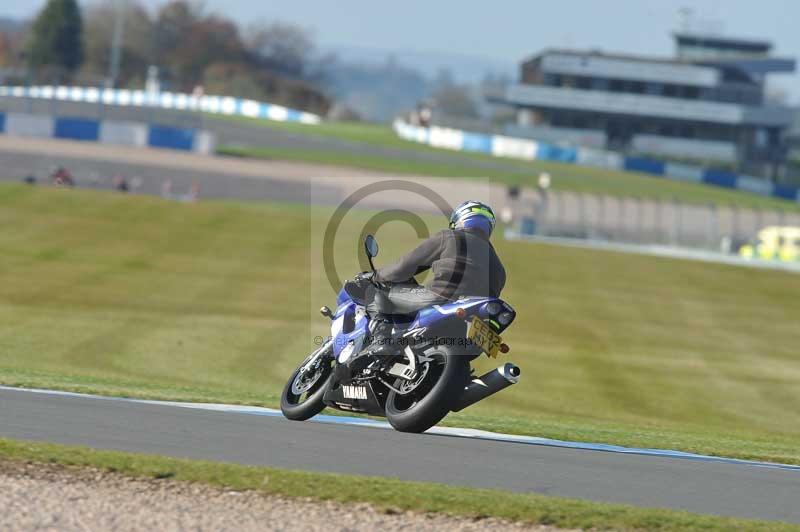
459, 457
301, 183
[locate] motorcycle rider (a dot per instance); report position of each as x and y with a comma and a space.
462, 261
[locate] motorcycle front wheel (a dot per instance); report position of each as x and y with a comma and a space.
426, 400
301, 398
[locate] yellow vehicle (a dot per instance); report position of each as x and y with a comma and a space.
774, 243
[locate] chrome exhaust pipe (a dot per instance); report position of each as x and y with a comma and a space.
486, 385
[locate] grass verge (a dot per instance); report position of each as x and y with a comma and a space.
566, 176
384, 493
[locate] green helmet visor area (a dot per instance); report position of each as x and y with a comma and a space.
468, 210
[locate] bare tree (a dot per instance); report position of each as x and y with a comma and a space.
284, 48
455, 100
6, 52
188, 40
137, 48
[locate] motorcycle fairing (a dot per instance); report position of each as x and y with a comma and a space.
350, 325
347, 340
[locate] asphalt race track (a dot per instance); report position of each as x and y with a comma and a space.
96, 165
98, 173
748, 491
236, 133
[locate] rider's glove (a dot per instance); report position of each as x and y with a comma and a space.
366, 278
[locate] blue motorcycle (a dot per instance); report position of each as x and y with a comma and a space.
425, 375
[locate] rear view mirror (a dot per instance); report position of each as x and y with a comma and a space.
371, 246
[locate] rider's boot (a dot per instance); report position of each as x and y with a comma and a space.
381, 336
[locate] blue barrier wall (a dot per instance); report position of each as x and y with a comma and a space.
477, 142
720, 178
782, 191
648, 166
549, 152
2, 123
77, 129
170, 137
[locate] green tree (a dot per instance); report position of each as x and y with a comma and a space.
56, 39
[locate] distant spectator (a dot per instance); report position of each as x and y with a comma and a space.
193, 194
166, 189
542, 205
508, 213
425, 114
62, 178
121, 184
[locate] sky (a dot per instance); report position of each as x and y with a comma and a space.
510, 30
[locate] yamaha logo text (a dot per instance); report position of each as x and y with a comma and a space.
354, 392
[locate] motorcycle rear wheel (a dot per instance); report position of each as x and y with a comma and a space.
431, 400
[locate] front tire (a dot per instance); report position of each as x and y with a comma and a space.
432, 399
302, 396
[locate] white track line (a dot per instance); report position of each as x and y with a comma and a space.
443, 431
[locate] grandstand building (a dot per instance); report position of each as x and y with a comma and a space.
707, 104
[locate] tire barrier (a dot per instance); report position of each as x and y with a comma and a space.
165, 100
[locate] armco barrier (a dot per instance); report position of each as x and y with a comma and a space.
107, 132
518, 148
165, 100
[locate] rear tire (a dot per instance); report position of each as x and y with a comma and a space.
417, 412
297, 408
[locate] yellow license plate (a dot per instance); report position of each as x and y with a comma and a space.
483, 335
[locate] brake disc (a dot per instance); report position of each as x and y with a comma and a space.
406, 387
